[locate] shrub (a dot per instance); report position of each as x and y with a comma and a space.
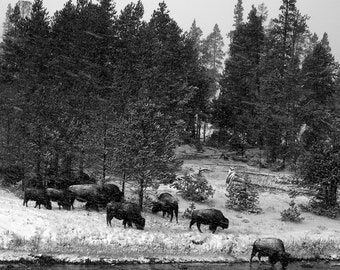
292, 213
194, 187
238, 143
319, 170
317, 208
187, 213
243, 197
12, 174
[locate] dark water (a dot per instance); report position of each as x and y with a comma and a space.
193, 266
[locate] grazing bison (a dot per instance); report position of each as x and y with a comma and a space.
95, 195
37, 195
211, 217
126, 211
167, 204
64, 198
272, 248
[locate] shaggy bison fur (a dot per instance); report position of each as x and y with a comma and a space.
96, 195
211, 217
64, 198
37, 195
126, 211
272, 248
166, 203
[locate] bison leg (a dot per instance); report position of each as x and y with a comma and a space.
192, 222
199, 226
108, 220
25, 203
128, 222
213, 228
253, 253
273, 259
171, 215
72, 202
176, 215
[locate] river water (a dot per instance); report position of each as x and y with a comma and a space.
195, 266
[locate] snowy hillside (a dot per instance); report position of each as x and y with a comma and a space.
78, 234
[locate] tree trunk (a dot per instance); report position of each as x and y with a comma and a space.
198, 128
8, 137
204, 130
38, 165
81, 160
104, 152
332, 193
192, 128
141, 194
123, 184
67, 165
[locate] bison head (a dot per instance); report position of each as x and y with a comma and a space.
140, 224
225, 224
284, 259
48, 204
156, 207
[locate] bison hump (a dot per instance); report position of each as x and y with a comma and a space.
270, 244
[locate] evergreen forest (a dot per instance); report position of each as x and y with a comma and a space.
95, 91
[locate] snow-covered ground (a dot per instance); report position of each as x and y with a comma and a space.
80, 234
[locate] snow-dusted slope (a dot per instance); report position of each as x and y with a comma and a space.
80, 233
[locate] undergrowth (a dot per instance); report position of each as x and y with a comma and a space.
291, 214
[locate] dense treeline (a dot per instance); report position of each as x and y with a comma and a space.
280, 92
111, 93
90, 88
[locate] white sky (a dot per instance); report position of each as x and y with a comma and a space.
324, 14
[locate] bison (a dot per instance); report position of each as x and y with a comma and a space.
96, 195
167, 204
211, 217
126, 211
272, 248
37, 195
64, 198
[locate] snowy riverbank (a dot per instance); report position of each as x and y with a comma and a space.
78, 236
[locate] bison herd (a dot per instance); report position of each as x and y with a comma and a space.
93, 195
109, 196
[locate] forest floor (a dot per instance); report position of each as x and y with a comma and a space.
80, 236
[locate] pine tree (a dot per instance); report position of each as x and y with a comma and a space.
319, 74
319, 163
7, 25
10, 46
72, 83
11, 64
279, 82
145, 143
83, 35
195, 35
128, 57
262, 11
319, 171
34, 58
213, 52
240, 80
238, 14
164, 77
199, 80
